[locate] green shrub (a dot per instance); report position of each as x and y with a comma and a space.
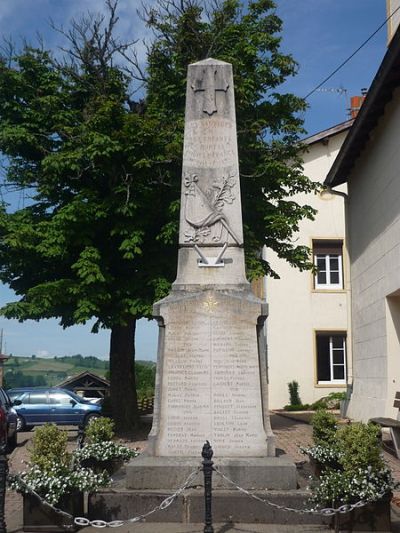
332, 401
99, 430
294, 393
301, 407
360, 473
360, 447
324, 427
49, 446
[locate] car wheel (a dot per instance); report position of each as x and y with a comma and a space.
11, 443
90, 417
20, 423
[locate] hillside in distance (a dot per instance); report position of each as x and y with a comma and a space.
39, 371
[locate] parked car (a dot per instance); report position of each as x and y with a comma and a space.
8, 422
36, 406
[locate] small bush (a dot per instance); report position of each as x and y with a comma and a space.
360, 447
99, 430
49, 447
324, 427
294, 393
332, 401
304, 407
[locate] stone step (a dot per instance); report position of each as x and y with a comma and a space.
232, 507
165, 473
227, 506
162, 527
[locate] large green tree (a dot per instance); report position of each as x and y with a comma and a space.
268, 121
98, 238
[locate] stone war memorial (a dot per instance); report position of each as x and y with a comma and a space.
211, 372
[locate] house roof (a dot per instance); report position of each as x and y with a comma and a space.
83, 379
380, 93
330, 132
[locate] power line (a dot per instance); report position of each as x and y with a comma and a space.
352, 55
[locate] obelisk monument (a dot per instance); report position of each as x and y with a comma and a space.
210, 385
211, 379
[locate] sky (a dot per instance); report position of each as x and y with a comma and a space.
320, 34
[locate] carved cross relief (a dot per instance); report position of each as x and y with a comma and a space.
209, 83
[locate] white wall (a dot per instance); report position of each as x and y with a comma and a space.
374, 233
296, 310
393, 22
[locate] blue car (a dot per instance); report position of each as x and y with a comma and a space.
36, 406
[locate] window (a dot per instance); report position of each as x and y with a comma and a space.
328, 260
37, 398
331, 358
60, 398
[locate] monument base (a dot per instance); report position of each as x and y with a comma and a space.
169, 473
228, 507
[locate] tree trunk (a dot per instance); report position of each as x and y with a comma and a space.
122, 377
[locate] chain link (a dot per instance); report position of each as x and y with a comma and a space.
328, 511
81, 521
30, 490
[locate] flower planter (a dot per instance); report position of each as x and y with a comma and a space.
39, 518
373, 517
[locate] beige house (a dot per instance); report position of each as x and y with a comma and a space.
369, 162
308, 328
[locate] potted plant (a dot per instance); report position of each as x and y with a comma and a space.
53, 480
361, 477
325, 453
100, 452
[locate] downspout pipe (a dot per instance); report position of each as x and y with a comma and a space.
345, 196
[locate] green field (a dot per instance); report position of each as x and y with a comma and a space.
38, 371
29, 371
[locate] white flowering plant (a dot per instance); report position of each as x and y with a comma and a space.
340, 487
322, 453
53, 483
104, 451
356, 469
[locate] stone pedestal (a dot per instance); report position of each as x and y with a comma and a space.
168, 473
209, 385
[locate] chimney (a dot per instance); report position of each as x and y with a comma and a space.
356, 102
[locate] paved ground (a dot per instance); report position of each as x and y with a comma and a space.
290, 434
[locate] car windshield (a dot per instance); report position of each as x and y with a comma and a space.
14, 394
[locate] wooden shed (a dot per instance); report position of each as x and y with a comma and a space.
87, 384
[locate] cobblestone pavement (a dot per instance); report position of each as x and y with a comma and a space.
289, 433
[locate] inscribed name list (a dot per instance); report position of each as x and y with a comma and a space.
211, 386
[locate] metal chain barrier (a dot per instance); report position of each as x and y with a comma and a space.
328, 511
30, 490
207, 468
82, 521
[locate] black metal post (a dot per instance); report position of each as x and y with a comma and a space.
3, 480
81, 437
207, 454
